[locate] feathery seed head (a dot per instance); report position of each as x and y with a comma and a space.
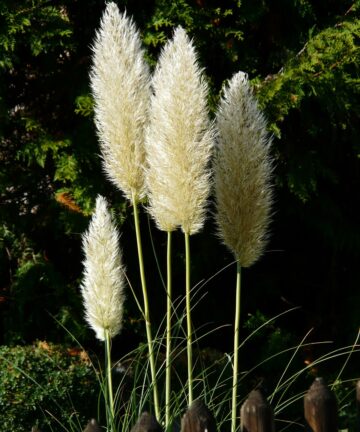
103, 284
243, 169
120, 83
179, 139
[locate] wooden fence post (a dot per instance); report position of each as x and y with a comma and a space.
92, 426
320, 407
146, 423
256, 414
198, 418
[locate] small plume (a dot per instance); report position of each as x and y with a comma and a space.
243, 171
120, 83
103, 284
179, 139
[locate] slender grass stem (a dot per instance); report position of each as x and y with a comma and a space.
104, 387
146, 308
346, 362
110, 400
188, 316
236, 348
168, 333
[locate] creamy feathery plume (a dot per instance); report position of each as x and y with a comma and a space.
179, 139
243, 169
120, 83
103, 284
103, 287
243, 191
179, 142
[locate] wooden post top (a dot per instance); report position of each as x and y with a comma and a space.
198, 418
256, 414
146, 423
320, 407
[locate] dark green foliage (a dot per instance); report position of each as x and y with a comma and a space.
47, 385
50, 170
345, 395
317, 93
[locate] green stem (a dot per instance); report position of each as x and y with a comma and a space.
236, 348
146, 308
109, 381
168, 333
188, 316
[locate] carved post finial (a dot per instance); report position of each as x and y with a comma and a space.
320, 407
256, 414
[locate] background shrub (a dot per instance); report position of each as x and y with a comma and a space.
45, 384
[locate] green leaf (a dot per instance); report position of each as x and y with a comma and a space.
84, 105
67, 168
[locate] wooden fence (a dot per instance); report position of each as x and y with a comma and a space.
320, 414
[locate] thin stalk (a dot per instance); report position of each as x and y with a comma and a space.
110, 400
236, 348
346, 362
168, 333
146, 309
188, 316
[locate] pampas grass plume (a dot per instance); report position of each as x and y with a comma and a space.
103, 284
179, 139
243, 169
120, 83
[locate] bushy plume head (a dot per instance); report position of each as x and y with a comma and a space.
120, 83
179, 139
103, 283
242, 172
